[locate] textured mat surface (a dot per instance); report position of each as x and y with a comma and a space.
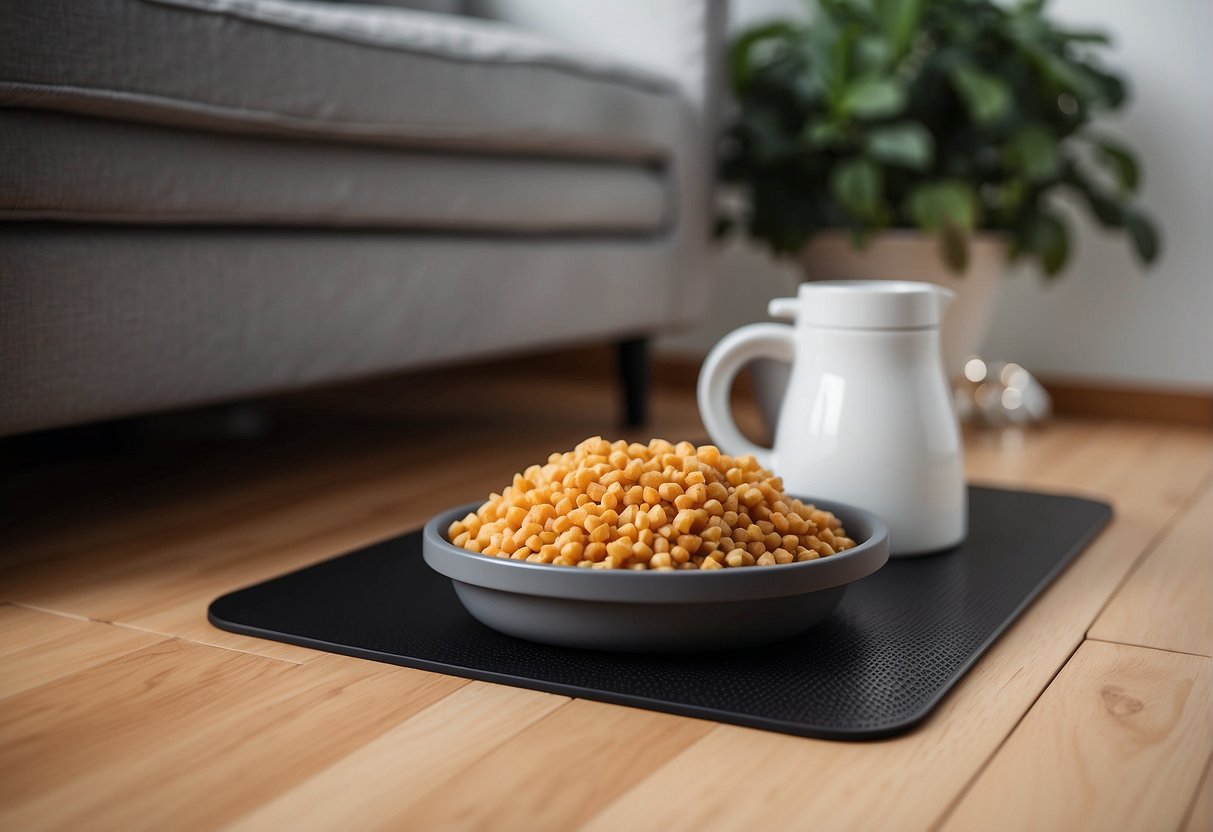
895, 645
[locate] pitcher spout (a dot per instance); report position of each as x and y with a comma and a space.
783, 308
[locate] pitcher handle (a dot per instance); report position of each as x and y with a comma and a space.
734, 351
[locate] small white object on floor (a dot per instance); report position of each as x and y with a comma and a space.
1000, 394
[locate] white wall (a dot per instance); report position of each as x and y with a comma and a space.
1104, 319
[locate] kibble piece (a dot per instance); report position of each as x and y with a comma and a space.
654, 506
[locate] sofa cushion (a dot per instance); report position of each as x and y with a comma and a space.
333, 71
67, 167
109, 321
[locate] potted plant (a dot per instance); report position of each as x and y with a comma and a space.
925, 139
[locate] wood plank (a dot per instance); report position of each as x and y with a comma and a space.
905, 783
21, 628
184, 730
1200, 813
86, 722
405, 762
1166, 602
554, 774
1118, 741
164, 584
1011, 456
163, 578
37, 647
157, 563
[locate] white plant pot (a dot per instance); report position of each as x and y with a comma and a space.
900, 255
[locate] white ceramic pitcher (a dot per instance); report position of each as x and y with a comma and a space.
868, 417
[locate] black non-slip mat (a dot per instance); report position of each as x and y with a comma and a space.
900, 639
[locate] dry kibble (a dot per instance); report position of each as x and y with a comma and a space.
669, 491
654, 507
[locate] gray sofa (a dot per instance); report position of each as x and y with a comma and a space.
202, 200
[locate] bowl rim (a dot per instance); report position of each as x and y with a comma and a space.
682, 586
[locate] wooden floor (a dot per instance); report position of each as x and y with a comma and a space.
120, 707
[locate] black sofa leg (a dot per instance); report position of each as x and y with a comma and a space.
634, 381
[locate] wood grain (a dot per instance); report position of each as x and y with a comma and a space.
1118, 741
1166, 602
37, 647
406, 762
155, 735
1200, 813
125, 733
161, 577
905, 782
164, 584
58, 734
554, 774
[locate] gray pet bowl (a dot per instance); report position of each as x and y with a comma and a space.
655, 611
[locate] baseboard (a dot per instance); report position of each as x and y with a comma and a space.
1071, 397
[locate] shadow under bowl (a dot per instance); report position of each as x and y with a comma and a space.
684, 610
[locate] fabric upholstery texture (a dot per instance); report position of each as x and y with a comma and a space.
65, 167
211, 199
331, 70
97, 322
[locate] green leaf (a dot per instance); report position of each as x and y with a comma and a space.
1033, 153
857, 184
1008, 198
873, 98
872, 55
1120, 161
906, 144
1109, 212
741, 53
898, 20
1144, 236
1031, 34
1112, 88
1046, 235
769, 139
936, 204
949, 209
1073, 78
821, 134
986, 97
838, 70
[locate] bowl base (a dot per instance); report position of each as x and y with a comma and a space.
647, 628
